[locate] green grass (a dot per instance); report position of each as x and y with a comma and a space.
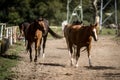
9, 60
5, 66
106, 31
117, 39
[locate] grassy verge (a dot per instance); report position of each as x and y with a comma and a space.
106, 31
9, 60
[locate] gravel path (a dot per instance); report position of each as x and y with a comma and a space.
56, 65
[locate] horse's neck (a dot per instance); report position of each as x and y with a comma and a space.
85, 34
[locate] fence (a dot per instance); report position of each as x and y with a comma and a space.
8, 36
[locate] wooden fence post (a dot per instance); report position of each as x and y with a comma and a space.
14, 28
10, 35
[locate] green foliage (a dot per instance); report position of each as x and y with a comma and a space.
16, 11
9, 60
5, 65
107, 31
13, 18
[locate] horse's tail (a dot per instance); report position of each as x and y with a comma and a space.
55, 35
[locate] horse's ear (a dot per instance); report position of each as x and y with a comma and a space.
96, 24
35, 20
81, 22
40, 19
90, 24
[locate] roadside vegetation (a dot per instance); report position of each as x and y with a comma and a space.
10, 59
108, 31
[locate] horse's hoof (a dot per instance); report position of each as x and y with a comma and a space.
30, 60
35, 60
90, 66
76, 65
71, 64
38, 55
43, 55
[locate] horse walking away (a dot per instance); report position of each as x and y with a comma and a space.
47, 30
78, 36
25, 26
34, 35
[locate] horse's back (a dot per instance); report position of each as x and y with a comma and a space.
66, 29
75, 34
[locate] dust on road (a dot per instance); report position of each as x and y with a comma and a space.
56, 65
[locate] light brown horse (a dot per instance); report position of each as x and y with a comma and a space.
34, 35
78, 36
45, 34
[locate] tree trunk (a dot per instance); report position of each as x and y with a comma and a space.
96, 13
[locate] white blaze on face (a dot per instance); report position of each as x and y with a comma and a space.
95, 32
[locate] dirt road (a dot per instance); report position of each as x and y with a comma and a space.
56, 66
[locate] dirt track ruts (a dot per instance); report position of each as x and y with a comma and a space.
56, 66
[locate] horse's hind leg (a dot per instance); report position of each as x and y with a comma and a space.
39, 48
36, 50
35, 60
30, 54
44, 44
30, 50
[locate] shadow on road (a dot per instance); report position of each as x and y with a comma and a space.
62, 48
111, 75
13, 57
52, 64
100, 67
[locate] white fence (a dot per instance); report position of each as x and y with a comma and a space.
8, 32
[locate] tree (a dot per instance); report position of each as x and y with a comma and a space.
96, 13
54, 10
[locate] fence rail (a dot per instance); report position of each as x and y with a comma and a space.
8, 36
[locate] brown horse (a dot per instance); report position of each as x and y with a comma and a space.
34, 35
78, 36
24, 29
45, 34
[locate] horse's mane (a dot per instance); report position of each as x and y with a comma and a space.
77, 22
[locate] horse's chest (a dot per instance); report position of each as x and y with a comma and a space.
74, 36
81, 40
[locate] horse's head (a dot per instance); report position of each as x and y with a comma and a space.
40, 25
93, 29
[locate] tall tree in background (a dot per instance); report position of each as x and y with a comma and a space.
16, 11
96, 12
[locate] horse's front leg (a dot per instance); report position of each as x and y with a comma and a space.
89, 56
77, 56
30, 50
71, 54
